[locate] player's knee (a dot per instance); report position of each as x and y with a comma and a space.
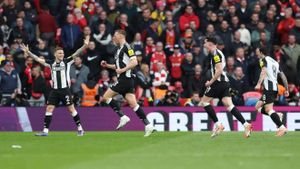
229, 107
270, 112
50, 109
204, 104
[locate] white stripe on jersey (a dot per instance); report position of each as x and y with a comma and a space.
270, 82
53, 73
63, 76
68, 72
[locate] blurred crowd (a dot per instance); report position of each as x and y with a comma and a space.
167, 36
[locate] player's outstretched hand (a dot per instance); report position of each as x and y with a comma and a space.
24, 47
103, 63
207, 84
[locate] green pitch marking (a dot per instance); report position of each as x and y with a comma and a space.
130, 150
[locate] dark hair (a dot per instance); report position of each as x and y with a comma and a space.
262, 50
121, 31
211, 39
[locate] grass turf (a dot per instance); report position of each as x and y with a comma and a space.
168, 150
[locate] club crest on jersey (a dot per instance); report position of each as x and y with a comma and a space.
217, 58
130, 52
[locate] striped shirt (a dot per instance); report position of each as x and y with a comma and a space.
272, 70
218, 57
122, 57
60, 72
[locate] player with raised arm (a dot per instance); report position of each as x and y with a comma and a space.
268, 77
60, 71
218, 87
125, 61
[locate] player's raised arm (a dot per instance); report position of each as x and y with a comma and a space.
25, 48
81, 49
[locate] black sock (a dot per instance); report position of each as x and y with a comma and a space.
237, 114
47, 121
141, 114
77, 120
274, 116
263, 111
211, 113
114, 105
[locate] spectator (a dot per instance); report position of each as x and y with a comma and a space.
79, 18
69, 34
89, 93
291, 53
230, 65
101, 19
226, 36
152, 31
27, 25
241, 60
112, 10
46, 30
243, 12
17, 99
255, 35
187, 17
42, 50
27, 77
9, 79
144, 84
103, 38
296, 29
235, 23
10, 11
239, 85
271, 24
92, 60
21, 32
263, 42
137, 42
145, 21
254, 21
78, 74
187, 42
194, 101
286, 25
130, 9
159, 14
198, 54
236, 43
187, 68
158, 56
294, 95
175, 64
30, 13
104, 83
245, 36
150, 46
38, 86
86, 32
197, 81
169, 36
160, 81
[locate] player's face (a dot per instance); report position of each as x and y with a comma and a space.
59, 54
117, 38
258, 53
207, 45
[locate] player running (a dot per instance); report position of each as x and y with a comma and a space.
218, 87
60, 71
268, 77
125, 62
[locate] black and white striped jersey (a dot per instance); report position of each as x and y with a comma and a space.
272, 70
60, 72
122, 57
218, 57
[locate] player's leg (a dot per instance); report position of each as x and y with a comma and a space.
205, 103
130, 98
76, 119
276, 119
260, 108
227, 102
47, 120
108, 98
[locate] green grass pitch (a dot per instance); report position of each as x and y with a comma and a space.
163, 150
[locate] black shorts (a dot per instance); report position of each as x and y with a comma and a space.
124, 86
58, 95
218, 90
268, 96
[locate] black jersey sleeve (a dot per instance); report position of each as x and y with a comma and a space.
217, 58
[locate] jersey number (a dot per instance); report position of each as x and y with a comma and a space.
67, 99
274, 70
